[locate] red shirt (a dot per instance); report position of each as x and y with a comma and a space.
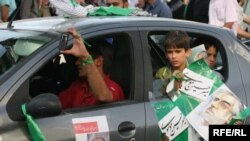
79, 94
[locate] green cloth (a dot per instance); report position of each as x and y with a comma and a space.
111, 11
163, 73
241, 117
34, 130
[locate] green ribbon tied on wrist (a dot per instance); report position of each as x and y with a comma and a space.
34, 130
88, 60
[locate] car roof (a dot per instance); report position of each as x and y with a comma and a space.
49, 24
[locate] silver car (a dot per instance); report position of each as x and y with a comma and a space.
33, 71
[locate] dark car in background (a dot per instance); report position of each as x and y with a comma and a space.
32, 66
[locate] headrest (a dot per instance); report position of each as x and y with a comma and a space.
25, 47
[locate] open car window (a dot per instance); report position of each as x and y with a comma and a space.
157, 50
60, 72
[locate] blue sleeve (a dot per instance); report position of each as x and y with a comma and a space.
166, 12
4, 2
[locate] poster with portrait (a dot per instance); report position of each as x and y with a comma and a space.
199, 82
219, 105
219, 108
206, 82
91, 128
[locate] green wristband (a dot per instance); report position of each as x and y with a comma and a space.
88, 60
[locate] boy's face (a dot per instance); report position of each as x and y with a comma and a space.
178, 57
118, 3
211, 56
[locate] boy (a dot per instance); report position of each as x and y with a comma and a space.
212, 52
177, 50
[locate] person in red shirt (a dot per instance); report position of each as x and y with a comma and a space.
93, 86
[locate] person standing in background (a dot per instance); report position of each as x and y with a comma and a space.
7, 8
223, 13
141, 4
198, 11
35, 8
157, 7
243, 19
118, 3
179, 8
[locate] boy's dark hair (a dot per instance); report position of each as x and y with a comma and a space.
209, 44
177, 39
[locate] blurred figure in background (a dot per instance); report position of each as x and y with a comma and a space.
119, 3
243, 19
179, 8
223, 13
7, 8
132, 3
35, 8
141, 4
198, 11
158, 8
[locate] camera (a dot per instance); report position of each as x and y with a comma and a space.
64, 41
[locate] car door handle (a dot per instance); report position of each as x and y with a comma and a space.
127, 129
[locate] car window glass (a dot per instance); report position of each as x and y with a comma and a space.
16, 45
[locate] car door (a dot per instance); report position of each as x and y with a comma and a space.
242, 54
125, 119
231, 72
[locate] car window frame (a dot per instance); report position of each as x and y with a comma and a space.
54, 51
135, 96
187, 27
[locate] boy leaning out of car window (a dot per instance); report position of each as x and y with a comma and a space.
177, 50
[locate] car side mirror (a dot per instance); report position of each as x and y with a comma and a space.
44, 105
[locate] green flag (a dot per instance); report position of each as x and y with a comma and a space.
111, 11
34, 130
200, 86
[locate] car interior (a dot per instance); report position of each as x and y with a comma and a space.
8, 57
58, 73
14, 49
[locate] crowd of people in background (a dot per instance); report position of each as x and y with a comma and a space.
227, 13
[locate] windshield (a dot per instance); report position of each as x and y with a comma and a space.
18, 44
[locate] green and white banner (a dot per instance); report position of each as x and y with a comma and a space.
202, 100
